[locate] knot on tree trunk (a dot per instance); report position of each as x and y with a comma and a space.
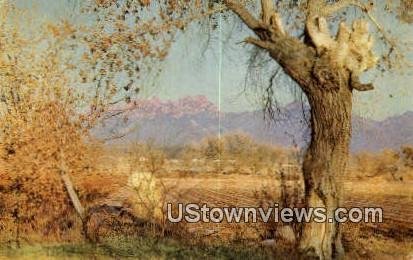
326, 76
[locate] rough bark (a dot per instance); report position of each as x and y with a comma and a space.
323, 168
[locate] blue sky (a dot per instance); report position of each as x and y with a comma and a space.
219, 71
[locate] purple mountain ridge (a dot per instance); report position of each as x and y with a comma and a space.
193, 118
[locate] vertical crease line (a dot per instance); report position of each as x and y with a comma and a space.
219, 85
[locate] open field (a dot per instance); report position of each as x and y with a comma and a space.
396, 199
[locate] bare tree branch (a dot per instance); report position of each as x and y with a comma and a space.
293, 56
259, 43
267, 7
244, 14
357, 85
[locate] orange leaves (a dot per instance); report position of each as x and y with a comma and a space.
145, 2
54, 30
38, 121
65, 29
37, 139
173, 5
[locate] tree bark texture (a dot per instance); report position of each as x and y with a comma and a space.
324, 165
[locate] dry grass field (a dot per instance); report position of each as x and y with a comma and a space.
392, 238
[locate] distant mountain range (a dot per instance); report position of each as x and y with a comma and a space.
191, 119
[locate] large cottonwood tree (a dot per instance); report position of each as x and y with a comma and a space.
327, 68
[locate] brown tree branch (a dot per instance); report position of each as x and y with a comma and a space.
259, 43
357, 85
244, 14
276, 24
295, 57
267, 7
271, 18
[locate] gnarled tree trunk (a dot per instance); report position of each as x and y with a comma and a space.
324, 165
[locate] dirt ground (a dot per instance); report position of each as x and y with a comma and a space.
391, 239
